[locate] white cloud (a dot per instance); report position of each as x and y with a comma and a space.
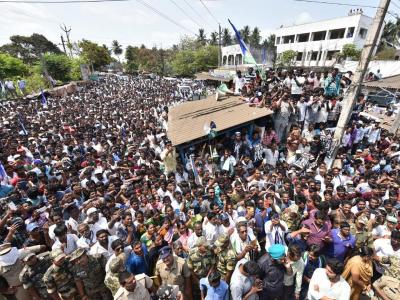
302, 18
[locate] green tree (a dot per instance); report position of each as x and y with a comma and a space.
390, 35
245, 33
286, 58
29, 48
116, 48
201, 37
255, 38
387, 53
94, 54
214, 38
226, 37
131, 57
11, 66
348, 51
59, 66
189, 62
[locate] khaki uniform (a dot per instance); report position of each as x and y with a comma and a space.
32, 276
292, 220
143, 283
390, 286
175, 275
60, 280
92, 277
111, 281
363, 237
11, 274
226, 261
201, 264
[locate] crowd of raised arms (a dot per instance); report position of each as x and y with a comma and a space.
96, 203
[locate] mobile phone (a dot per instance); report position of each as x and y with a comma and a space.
12, 206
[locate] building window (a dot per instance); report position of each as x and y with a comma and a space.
314, 55
278, 40
231, 60
350, 32
238, 59
303, 37
363, 33
224, 59
331, 54
337, 34
288, 39
299, 56
318, 36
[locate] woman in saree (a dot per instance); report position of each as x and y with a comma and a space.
358, 272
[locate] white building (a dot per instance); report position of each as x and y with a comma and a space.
316, 43
232, 57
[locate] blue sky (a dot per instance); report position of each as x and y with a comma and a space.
132, 23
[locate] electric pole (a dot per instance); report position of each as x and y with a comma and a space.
219, 45
63, 44
355, 87
67, 31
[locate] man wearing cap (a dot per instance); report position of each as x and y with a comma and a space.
274, 265
11, 266
116, 266
200, 261
31, 275
58, 278
360, 232
173, 270
89, 274
226, 257
95, 220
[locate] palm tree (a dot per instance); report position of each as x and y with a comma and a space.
390, 35
226, 37
214, 38
116, 48
201, 37
245, 33
255, 38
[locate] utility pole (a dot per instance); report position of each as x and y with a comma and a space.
67, 31
219, 45
63, 44
355, 87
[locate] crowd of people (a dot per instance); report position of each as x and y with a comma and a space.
96, 203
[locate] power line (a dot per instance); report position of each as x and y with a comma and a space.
164, 16
195, 11
336, 3
184, 12
205, 6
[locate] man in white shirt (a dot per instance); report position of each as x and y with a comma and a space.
239, 82
388, 247
327, 283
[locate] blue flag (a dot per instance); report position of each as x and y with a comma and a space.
24, 132
264, 56
43, 99
247, 57
3, 172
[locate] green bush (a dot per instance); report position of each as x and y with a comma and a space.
11, 67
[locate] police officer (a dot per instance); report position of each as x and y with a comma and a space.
31, 275
387, 287
173, 270
89, 274
226, 257
58, 280
116, 266
359, 230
